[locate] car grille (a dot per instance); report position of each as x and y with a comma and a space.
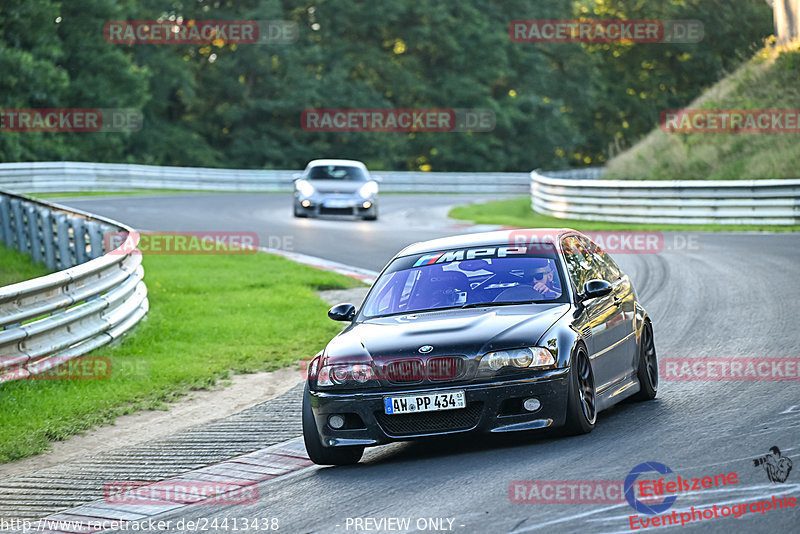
430, 422
335, 211
445, 368
414, 371
404, 371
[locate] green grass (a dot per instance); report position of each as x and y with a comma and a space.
209, 316
517, 212
771, 80
17, 267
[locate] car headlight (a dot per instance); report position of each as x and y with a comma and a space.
352, 374
368, 189
524, 358
305, 188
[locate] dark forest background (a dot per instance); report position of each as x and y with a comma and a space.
239, 106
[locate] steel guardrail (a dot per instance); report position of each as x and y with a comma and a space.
43, 177
580, 195
95, 297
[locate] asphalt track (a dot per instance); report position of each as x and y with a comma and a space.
730, 295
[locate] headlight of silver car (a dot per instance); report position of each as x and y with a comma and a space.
524, 358
368, 189
305, 188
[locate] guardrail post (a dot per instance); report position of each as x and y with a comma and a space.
34, 233
95, 239
79, 240
108, 243
48, 239
19, 227
5, 222
64, 253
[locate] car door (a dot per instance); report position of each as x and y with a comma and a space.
621, 355
598, 320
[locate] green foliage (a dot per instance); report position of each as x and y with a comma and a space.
230, 105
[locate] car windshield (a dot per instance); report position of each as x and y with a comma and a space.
430, 282
337, 172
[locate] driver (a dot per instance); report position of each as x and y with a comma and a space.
543, 279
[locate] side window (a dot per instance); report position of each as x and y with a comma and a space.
613, 273
579, 261
606, 268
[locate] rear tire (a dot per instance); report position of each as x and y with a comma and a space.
582, 399
318, 453
647, 371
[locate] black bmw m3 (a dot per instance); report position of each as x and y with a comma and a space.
490, 332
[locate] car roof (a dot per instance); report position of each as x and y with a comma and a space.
343, 162
503, 237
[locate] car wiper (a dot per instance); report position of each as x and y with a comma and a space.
502, 303
413, 312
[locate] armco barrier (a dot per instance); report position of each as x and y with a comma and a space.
93, 299
40, 177
581, 196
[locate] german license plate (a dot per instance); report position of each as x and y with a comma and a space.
425, 402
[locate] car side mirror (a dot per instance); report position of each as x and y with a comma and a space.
594, 289
374, 178
342, 312
296, 176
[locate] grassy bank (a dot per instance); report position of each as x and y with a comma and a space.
771, 80
209, 316
518, 212
16, 267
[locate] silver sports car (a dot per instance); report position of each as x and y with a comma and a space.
336, 187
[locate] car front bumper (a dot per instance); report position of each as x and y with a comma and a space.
320, 204
491, 407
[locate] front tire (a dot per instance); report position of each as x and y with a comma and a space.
647, 371
318, 453
582, 401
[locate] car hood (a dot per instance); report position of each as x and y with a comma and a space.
469, 332
336, 186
